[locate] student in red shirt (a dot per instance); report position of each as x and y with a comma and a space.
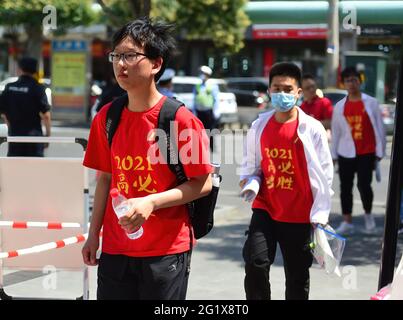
287, 153
154, 266
319, 108
358, 140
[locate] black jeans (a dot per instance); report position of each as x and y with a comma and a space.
150, 278
259, 252
363, 166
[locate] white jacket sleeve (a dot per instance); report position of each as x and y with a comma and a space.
336, 133
380, 127
325, 157
250, 166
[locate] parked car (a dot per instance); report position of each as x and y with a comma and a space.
249, 91
333, 94
183, 88
251, 95
6, 82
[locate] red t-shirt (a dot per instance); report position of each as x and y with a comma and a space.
135, 174
319, 108
285, 192
361, 127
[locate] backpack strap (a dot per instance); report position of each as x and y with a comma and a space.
113, 116
168, 146
169, 149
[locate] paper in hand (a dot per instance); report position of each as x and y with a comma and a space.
250, 189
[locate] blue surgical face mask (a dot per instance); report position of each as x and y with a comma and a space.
300, 100
282, 102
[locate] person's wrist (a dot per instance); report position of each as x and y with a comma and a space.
153, 201
94, 232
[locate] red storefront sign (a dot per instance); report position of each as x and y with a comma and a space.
303, 33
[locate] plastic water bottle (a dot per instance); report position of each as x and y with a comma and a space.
121, 207
216, 175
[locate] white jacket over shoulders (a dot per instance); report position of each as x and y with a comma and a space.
342, 139
317, 154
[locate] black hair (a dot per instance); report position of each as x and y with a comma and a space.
28, 65
350, 72
308, 76
155, 37
287, 69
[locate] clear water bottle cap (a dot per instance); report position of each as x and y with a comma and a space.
114, 192
216, 167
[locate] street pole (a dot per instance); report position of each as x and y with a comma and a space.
332, 51
394, 191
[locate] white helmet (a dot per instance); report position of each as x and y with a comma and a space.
206, 70
167, 75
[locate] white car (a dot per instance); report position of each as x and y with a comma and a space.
183, 90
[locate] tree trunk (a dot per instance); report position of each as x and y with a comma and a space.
140, 8
34, 42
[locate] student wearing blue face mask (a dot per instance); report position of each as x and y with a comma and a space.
287, 153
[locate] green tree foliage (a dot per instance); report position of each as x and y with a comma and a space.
30, 15
222, 21
118, 12
69, 13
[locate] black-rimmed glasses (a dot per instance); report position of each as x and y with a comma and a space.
128, 57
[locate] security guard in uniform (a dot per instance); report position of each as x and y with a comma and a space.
206, 103
24, 105
165, 85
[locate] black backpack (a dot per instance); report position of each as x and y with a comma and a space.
201, 211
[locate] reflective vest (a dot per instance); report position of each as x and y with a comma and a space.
204, 97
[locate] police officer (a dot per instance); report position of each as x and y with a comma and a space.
24, 105
205, 102
165, 85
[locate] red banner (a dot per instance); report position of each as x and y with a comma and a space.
305, 33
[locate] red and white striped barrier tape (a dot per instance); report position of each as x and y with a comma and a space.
45, 247
32, 224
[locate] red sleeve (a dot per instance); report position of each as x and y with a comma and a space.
193, 144
97, 155
327, 108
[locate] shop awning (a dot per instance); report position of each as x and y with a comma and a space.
315, 12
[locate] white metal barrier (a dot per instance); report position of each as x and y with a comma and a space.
43, 189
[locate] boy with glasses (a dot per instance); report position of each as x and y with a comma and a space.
156, 265
358, 140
